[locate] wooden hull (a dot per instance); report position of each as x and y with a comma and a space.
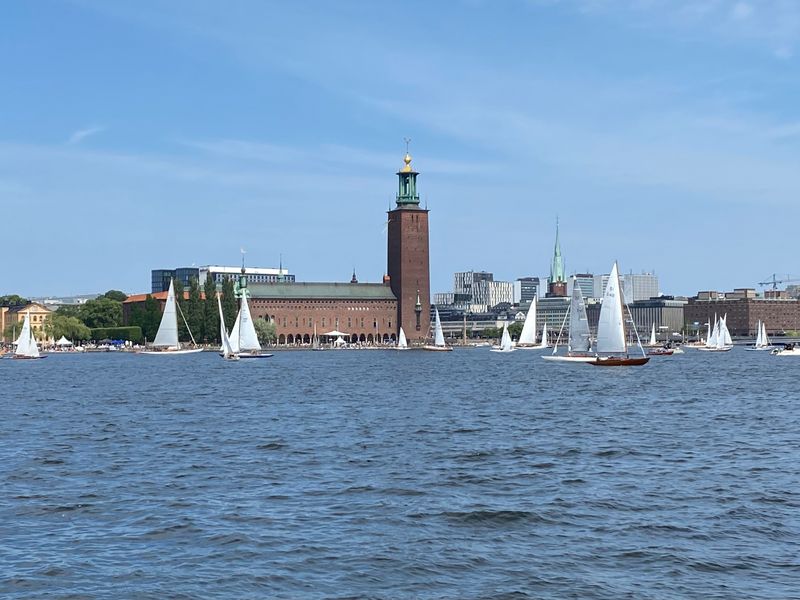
620, 361
15, 357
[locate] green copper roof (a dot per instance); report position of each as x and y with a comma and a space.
319, 291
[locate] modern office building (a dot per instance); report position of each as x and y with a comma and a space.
160, 278
525, 290
585, 281
639, 286
487, 294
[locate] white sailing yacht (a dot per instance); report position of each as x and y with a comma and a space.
544, 343
166, 341
505, 341
762, 340
227, 349
612, 345
244, 339
26, 346
527, 339
719, 339
438, 336
579, 343
402, 342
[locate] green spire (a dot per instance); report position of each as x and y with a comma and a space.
407, 183
557, 268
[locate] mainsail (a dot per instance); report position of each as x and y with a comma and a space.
244, 337
579, 336
167, 336
227, 350
505, 341
438, 335
528, 335
26, 344
611, 326
402, 342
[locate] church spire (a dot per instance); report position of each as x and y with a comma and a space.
557, 268
407, 196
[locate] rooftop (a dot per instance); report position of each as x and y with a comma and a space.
328, 291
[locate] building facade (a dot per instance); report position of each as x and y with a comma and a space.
14, 316
639, 286
160, 278
525, 290
744, 309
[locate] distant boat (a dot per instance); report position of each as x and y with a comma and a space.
719, 338
244, 339
527, 339
166, 341
762, 339
27, 348
612, 345
227, 349
402, 342
790, 349
505, 341
544, 343
315, 345
438, 336
653, 342
579, 342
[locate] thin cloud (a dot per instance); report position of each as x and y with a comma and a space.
81, 134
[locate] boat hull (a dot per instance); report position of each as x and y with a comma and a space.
15, 357
660, 352
437, 348
502, 351
572, 359
248, 355
620, 361
170, 352
725, 349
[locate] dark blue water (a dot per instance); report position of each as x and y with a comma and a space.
378, 474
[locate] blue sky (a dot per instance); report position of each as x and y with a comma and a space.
664, 134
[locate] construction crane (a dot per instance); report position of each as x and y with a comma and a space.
773, 281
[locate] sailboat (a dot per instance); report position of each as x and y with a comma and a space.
719, 339
166, 341
505, 341
653, 342
227, 349
315, 345
527, 339
762, 340
579, 343
544, 343
402, 342
26, 342
438, 336
244, 339
612, 345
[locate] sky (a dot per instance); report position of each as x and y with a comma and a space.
134, 135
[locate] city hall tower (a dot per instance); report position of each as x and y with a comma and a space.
407, 257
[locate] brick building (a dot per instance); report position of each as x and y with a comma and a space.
744, 310
364, 312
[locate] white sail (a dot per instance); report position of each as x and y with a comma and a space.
505, 341
759, 335
653, 335
726, 335
543, 343
438, 334
235, 336
248, 339
26, 343
764, 336
711, 341
227, 350
528, 335
579, 336
611, 326
402, 342
315, 339
167, 336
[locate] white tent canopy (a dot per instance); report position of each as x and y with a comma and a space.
335, 333
338, 342
63, 342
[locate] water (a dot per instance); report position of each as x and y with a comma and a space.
399, 475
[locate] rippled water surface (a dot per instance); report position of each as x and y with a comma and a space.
379, 474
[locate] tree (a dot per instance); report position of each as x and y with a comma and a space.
265, 330
11, 332
229, 307
13, 300
194, 310
101, 312
115, 295
72, 328
515, 330
210, 312
151, 318
69, 310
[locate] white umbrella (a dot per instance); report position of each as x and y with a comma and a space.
63, 342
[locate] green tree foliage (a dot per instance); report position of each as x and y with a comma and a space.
514, 330
229, 306
491, 332
13, 300
134, 334
194, 310
101, 312
67, 326
69, 310
210, 312
266, 331
11, 332
146, 316
115, 295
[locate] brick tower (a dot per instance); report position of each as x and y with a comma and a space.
407, 257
